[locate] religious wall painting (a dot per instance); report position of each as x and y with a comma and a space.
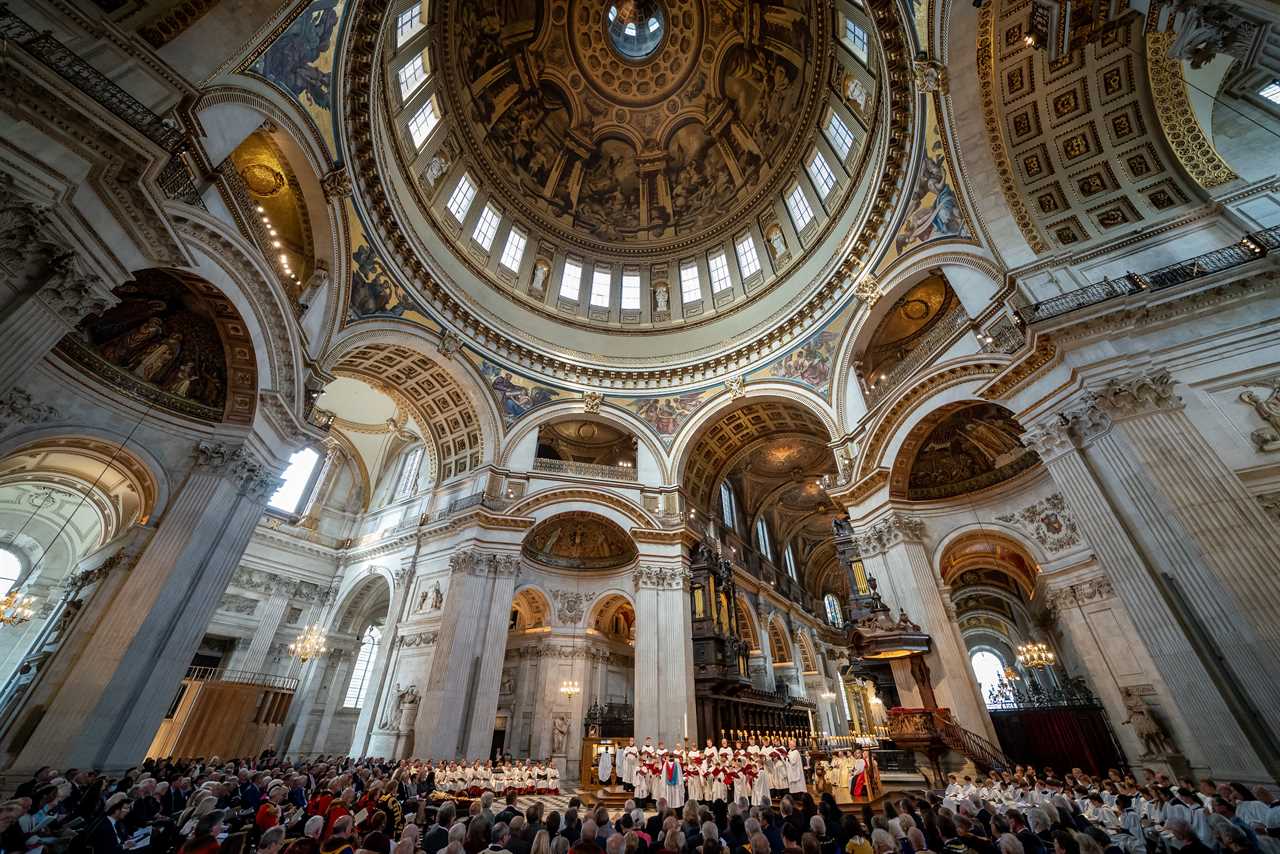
514, 394
579, 540
301, 59
969, 449
699, 184
667, 415
933, 210
814, 361
175, 341
374, 290
609, 196
528, 137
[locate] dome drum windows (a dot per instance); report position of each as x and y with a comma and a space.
839, 135
690, 283
801, 211
486, 227
408, 23
460, 200
513, 251
824, 180
601, 286
424, 121
571, 281
748, 259
412, 75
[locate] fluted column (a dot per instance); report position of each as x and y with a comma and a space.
255, 656
460, 702
664, 654
105, 712
1193, 563
893, 551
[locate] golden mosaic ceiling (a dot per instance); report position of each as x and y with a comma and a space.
579, 540
652, 151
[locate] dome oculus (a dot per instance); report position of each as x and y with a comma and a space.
635, 28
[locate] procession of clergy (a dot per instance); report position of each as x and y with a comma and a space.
754, 772
520, 777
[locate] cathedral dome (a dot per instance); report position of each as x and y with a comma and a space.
642, 166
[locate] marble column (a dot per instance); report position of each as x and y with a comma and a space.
104, 710
1191, 556
664, 654
460, 702
893, 551
255, 655
344, 661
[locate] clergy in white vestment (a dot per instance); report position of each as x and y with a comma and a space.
628, 762
606, 765
795, 769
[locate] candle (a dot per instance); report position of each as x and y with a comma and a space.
686, 726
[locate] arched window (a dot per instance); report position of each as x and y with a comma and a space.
728, 505
762, 538
408, 484
834, 617
789, 561
10, 569
359, 684
988, 668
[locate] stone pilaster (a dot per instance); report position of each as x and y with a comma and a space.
664, 648
378, 700
456, 716
341, 675
255, 655
1185, 552
893, 551
105, 711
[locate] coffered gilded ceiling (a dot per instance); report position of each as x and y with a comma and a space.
1084, 156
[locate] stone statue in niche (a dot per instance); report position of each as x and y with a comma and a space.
661, 299
1150, 732
777, 243
431, 599
1267, 438
538, 284
559, 734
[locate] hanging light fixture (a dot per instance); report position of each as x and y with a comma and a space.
1035, 655
310, 644
570, 688
16, 608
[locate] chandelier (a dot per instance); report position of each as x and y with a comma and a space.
1035, 655
570, 688
310, 644
16, 609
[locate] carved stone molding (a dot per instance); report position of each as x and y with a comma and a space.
336, 184
580, 652
591, 401
1082, 593
571, 605
72, 294
661, 578
1138, 394
419, 639
17, 407
888, 532
484, 564
930, 75
1092, 417
1048, 522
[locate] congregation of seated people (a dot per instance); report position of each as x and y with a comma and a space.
370, 806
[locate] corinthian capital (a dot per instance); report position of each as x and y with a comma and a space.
255, 479
476, 562
73, 294
661, 578
1137, 394
889, 531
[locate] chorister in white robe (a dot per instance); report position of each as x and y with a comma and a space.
795, 772
644, 781
719, 791
760, 787
628, 763
693, 779
741, 786
606, 766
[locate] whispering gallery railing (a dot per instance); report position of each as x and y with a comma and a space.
1249, 248
175, 178
596, 470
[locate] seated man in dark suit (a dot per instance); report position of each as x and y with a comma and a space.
105, 836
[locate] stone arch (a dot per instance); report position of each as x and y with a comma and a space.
982, 450
239, 271
615, 416
530, 609
619, 509
396, 333
723, 431
989, 547
808, 655
614, 617
780, 650
747, 623
368, 593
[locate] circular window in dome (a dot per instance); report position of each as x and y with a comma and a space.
636, 27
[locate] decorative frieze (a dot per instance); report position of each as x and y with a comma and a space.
1090, 590
1266, 437
662, 578
419, 639
235, 604
336, 184
1048, 523
581, 652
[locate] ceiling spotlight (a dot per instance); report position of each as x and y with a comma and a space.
275, 244
261, 209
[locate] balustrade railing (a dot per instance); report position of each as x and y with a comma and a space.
175, 178
1249, 248
925, 350
222, 674
595, 470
